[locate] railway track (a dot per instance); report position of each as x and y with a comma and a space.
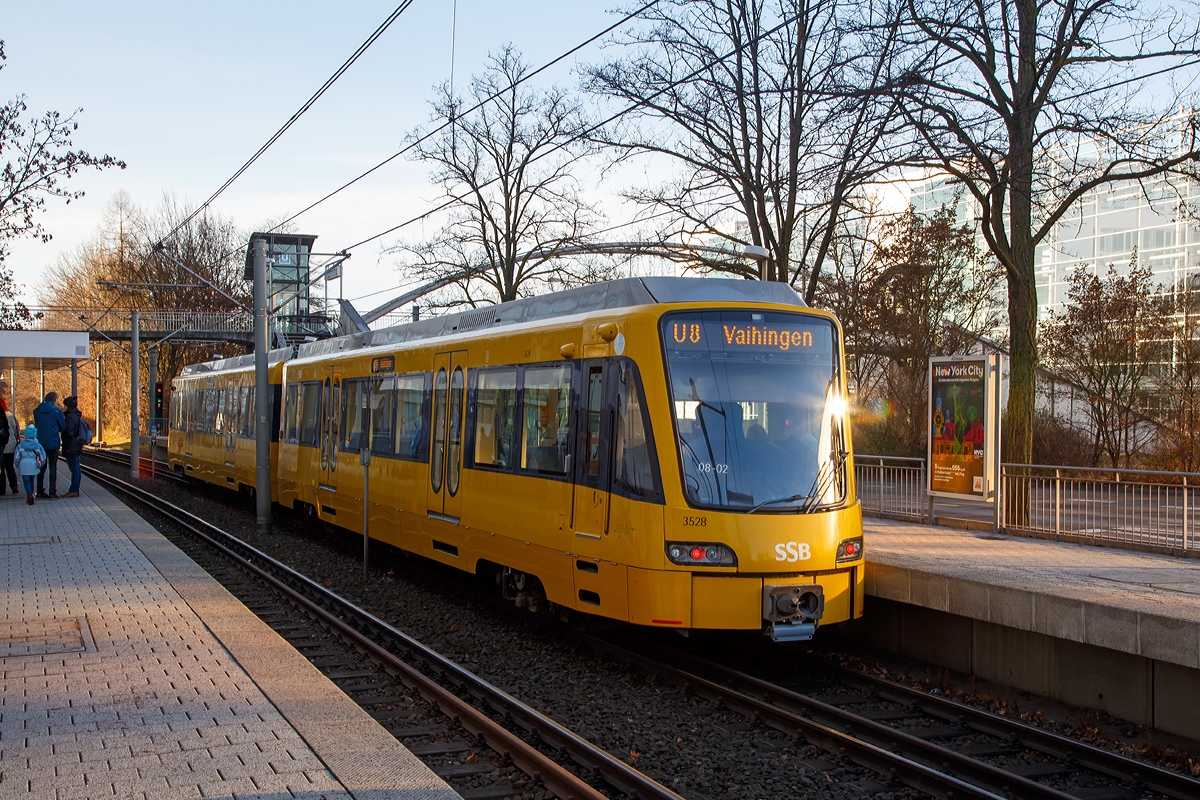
932, 744
275, 592
926, 741
147, 465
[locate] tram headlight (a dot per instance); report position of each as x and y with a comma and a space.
700, 554
850, 550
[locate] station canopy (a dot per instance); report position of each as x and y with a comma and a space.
42, 349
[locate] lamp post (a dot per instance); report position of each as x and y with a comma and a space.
758, 253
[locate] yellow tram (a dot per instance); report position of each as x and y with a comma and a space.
671, 452
212, 431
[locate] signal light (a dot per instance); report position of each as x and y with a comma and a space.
850, 550
701, 554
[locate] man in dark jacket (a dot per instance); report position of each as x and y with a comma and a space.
49, 420
72, 443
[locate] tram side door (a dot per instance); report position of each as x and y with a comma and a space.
331, 418
444, 499
593, 473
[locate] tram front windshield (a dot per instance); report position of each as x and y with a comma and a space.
758, 409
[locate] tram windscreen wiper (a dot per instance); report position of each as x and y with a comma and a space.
789, 499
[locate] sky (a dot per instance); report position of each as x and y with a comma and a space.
185, 93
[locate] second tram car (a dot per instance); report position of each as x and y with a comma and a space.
212, 430
671, 452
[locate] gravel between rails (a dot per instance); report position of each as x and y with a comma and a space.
693, 746
690, 745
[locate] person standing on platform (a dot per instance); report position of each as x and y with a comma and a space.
49, 419
30, 458
8, 470
72, 442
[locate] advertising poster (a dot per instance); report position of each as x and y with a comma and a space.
958, 435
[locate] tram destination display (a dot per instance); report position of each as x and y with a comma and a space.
961, 427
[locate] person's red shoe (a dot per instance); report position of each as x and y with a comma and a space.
28, 499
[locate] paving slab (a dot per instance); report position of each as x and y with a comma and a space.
1141, 603
126, 671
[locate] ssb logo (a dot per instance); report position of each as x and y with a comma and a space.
792, 551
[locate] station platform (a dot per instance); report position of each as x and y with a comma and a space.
1098, 627
126, 671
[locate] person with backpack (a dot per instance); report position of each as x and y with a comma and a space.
31, 459
50, 423
72, 442
10, 433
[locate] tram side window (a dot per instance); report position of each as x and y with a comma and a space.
209, 415
355, 416
411, 427
634, 464
223, 411
547, 402
495, 417
246, 411
310, 413
382, 390
291, 415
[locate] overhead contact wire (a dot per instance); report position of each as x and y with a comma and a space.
362, 48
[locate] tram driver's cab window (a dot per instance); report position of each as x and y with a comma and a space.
634, 462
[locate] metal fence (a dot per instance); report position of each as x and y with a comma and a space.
891, 485
152, 320
1123, 506
1143, 508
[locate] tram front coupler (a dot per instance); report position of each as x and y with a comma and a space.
792, 612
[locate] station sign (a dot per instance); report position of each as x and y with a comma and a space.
964, 427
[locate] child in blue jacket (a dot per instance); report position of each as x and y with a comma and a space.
29, 456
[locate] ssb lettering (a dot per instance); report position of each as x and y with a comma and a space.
793, 551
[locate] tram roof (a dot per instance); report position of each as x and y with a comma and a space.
234, 362
621, 293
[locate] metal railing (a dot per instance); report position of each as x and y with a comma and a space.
152, 320
891, 485
1121, 506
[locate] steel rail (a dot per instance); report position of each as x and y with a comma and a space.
916, 762
1112, 764
529, 759
162, 469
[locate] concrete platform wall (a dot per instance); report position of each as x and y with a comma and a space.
1157, 694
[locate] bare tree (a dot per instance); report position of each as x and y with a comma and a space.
1031, 104
762, 104
508, 169
1107, 339
38, 159
925, 290
122, 251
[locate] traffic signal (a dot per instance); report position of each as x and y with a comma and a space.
158, 400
